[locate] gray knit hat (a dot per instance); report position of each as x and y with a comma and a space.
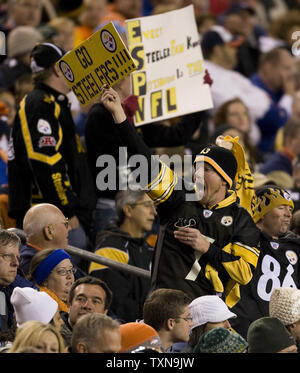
268, 335
285, 305
220, 340
21, 40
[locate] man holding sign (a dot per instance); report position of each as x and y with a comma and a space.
46, 153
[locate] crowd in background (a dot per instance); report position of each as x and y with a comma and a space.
52, 301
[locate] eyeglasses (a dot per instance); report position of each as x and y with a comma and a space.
65, 272
187, 319
10, 257
148, 204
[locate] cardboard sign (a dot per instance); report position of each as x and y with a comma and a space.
169, 76
101, 59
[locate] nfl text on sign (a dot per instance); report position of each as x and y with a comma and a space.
101, 59
168, 80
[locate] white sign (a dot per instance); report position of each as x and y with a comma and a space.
169, 77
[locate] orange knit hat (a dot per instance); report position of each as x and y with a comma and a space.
136, 334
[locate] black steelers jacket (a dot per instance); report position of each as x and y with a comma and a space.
233, 236
46, 160
278, 266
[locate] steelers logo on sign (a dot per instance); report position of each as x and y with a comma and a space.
291, 257
67, 71
108, 41
227, 221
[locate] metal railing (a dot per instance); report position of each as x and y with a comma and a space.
108, 262
92, 257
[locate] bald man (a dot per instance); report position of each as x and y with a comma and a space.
45, 227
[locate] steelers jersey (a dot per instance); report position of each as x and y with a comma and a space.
278, 266
230, 260
232, 255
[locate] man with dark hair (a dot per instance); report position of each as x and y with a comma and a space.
125, 242
9, 277
283, 160
278, 264
87, 295
167, 311
47, 162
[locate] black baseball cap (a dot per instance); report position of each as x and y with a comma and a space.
44, 55
219, 35
240, 7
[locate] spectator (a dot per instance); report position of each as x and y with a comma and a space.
239, 20
284, 159
295, 223
118, 11
96, 333
45, 227
125, 242
208, 312
30, 304
236, 114
36, 334
282, 27
167, 311
278, 263
22, 13
9, 276
268, 335
64, 35
53, 272
50, 155
88, 20
103, 141
22, 87
220, 57
295, 190
19, 45
284, 305
275, 77
136, 336
221, 340
193, 246
87, 295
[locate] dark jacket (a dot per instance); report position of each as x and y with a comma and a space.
6, 321
129, 290
102, 139
277, 162
278, 266
47, 156
66, 329
11, 70
232, 255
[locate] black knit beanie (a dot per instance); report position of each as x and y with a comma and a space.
221, 159
268, 335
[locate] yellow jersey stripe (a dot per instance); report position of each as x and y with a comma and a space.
51, 160
110, 253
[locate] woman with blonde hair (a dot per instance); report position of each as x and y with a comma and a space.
43, 337
53, 272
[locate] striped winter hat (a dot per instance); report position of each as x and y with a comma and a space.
221, 159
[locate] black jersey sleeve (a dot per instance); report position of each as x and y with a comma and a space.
42, 135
